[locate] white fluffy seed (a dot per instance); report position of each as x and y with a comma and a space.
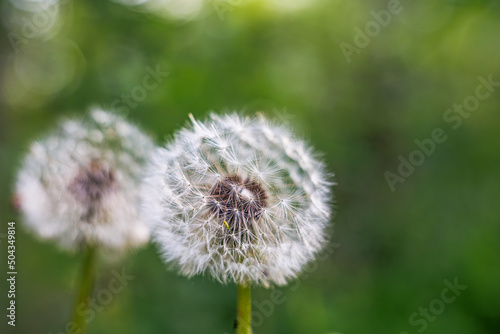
259, 201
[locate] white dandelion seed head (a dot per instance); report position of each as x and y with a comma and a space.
79, 186
238, 198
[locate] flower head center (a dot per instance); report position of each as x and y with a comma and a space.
90, 185
238, 202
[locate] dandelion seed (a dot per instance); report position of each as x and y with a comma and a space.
260, 201
78, 187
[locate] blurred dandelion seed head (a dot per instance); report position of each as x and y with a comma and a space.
238, 198
79, 185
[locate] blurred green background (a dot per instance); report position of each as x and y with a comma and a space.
364, 111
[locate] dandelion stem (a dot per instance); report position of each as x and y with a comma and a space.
84, 290
243, 320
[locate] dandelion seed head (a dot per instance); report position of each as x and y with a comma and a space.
238, 198
79, 185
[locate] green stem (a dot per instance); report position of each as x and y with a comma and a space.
244, 316
85, 289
